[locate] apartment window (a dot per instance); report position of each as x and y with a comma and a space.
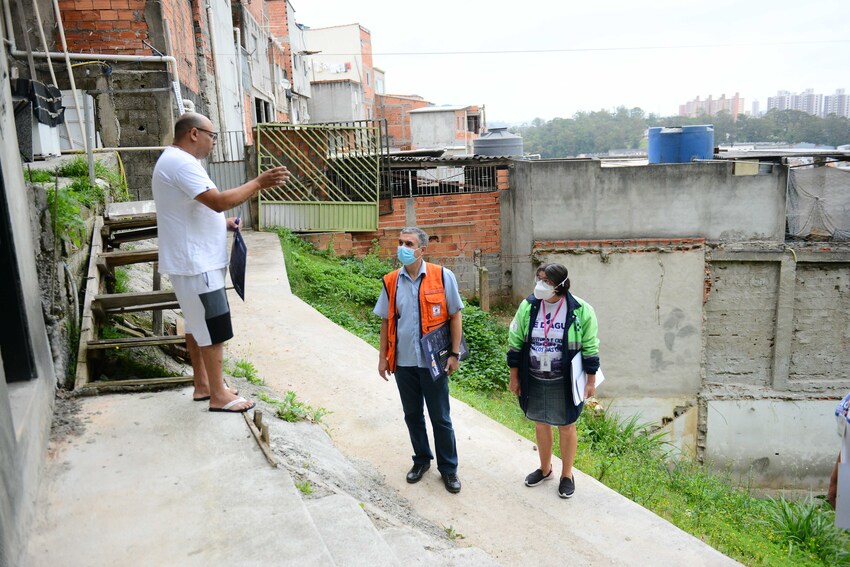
15, 346
263, 111
473, 123
367, 78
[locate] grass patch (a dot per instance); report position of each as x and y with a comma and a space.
627, 454
304, 486
122, 280
291, 409
242, 368
37, 175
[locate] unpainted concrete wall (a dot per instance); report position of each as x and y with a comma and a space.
649, 307
581, 200
25, 405
433, 129
335, 102
740, 323
820, 345
741, 344
776, 443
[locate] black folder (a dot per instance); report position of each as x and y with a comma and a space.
238, 262
437, 344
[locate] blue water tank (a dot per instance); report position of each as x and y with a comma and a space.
654, 149
680, 145
697, 142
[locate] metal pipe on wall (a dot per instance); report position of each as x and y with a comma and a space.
83, 119
222, 124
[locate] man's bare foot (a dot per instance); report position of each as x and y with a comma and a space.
198, 396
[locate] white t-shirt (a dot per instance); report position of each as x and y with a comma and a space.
192, 236
547, 339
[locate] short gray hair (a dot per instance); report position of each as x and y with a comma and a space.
420, 234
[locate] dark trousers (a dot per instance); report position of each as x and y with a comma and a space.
414, 386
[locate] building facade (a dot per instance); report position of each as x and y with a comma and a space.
810, 102
711, 106
342, 76
452, 128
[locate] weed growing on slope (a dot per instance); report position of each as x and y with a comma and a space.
292, 410
242, 368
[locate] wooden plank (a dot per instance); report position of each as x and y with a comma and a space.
116, 239
110, 301
135, 385
135, 342
127, 257
88, 329
159, 306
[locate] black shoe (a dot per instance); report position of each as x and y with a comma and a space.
537, 477
417, 472
452, 483
567, 487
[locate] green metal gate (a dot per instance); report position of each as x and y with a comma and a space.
335, 175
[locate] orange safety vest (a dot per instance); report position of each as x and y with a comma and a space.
433, 308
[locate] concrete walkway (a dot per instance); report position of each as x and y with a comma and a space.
295, 347
155, 479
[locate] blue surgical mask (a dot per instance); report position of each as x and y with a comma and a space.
406, 255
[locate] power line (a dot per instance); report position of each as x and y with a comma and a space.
599, 49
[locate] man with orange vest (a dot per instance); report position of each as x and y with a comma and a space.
418, 298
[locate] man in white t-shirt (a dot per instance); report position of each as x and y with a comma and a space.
192, 236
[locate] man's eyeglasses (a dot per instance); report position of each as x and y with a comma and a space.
213, 135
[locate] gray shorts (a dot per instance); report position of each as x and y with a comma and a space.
203, 300
550, 403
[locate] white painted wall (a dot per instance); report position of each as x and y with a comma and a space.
227, 72
341, 54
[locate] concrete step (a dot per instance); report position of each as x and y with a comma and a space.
348, 533
155, 479
413, 547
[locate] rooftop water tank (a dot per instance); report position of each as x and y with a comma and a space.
680, 145
497, 142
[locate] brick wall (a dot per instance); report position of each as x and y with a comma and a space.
395, 110
121, 27
457, 227
105, 26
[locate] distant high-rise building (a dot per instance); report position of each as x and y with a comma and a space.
782, 101
838, 103
808, 101
811, 102
755, 113
711, 106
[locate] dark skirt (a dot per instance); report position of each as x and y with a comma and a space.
551, 402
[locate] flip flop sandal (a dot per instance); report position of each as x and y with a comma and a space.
236, 402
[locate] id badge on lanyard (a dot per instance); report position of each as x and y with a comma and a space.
546, 358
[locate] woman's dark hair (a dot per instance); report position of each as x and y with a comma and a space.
557, 273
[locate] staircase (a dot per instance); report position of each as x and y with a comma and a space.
122, 223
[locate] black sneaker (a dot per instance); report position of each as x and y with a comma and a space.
567, 487
537, 477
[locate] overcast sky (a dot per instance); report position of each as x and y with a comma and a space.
584, 56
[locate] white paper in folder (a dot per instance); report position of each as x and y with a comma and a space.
842, 498
580, 378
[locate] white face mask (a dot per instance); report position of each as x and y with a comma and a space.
543, 291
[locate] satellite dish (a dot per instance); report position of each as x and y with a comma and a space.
284, 84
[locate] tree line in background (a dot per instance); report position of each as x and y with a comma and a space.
595, 133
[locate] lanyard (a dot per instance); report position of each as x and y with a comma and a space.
551, 321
